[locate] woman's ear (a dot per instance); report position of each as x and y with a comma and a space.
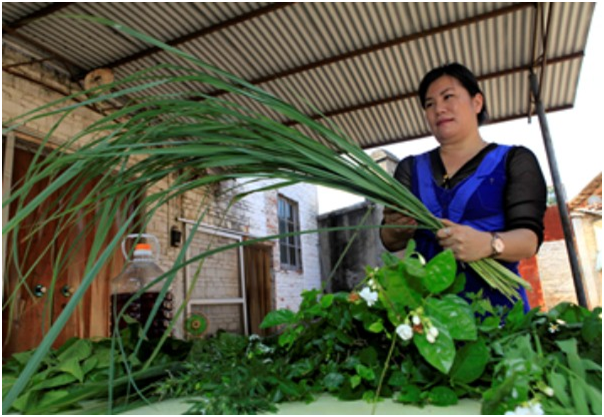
478, 102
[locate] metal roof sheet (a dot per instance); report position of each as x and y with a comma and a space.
357, 63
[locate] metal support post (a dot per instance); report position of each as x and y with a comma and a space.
560, 195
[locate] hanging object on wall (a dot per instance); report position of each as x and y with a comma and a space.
196, 325
98, 77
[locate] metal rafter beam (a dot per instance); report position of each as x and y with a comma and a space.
350, 109
53, 8
203, 32
68, 64
388, 44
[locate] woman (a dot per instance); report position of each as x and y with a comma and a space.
491, 197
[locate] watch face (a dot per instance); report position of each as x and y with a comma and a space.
498, 245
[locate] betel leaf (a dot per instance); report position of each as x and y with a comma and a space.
470, 362
355, 381
456, 316
440, 354
414, 269
442, 396
398, 290
277, 318
440, 272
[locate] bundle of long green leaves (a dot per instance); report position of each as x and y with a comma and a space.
186, 134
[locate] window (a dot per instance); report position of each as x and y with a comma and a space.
289, 246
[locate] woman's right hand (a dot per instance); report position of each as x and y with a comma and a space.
396, 239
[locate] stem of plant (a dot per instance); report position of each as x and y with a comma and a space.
386, 364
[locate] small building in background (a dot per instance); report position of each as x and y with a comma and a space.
554, 268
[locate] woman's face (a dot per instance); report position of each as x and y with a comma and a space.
451, 111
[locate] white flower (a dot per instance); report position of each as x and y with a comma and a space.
526, 410
549, 391
433, 331
416, 320
536, 409
553, 328
372, 284
369, 296
430, 338
405, 331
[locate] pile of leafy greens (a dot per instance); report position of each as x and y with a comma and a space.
380, 342
405, 335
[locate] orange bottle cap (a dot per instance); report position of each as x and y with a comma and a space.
142, 246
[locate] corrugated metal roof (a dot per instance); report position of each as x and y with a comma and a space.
357, 63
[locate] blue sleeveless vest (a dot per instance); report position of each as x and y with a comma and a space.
477, 201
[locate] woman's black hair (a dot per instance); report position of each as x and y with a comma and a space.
464, 76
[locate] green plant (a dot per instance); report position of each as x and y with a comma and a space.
83, 374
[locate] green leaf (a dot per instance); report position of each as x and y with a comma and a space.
72, 367
376, 327
559, 385
23, 357
390, 260
455, 314
458, 285
277, 318
489, 324
57, 381
579, 396
7, 382
355, 381
90, 364
440, 354
333, 381
368, 356
52, 397
365, 372
397, 379
592, 326
409, 394
414, 269
440, 272
79, 351
595, 399
327, 300
470, 362
399, 291
442, 396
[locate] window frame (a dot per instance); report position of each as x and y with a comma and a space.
289, 222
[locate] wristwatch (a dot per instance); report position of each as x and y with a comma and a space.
497, 245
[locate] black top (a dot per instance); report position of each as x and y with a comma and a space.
525, 191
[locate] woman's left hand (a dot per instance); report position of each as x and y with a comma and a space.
467, 243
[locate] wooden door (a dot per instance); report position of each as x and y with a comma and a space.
258, 285
27, 313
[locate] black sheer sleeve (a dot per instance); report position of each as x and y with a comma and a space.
526, 192
403, 171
